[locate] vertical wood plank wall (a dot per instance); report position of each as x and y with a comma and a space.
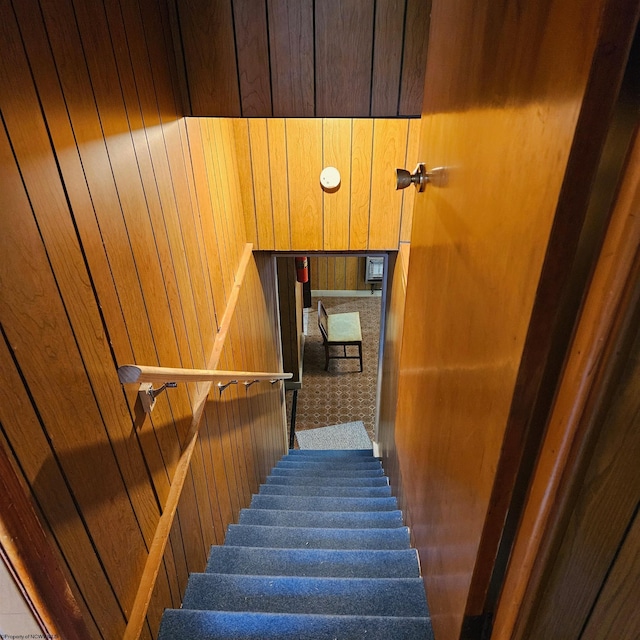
303, 58
394, 327
338, 273
120, 232
285, 208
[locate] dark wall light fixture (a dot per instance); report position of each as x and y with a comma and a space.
420, 177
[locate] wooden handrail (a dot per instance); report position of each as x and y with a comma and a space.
132, 373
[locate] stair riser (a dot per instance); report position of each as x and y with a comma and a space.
316, 538
205, 625
319, 481
306, 519
400, 597
320, 473
336, 453
330, 492
350, 466
313, 503
320, 563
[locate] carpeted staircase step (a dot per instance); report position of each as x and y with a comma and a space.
403, 597
330, 519
328, 465
324, 481
321, 554
248, 535
323, 473
331, 492
318, 503
331, 453
207, 625
334, 563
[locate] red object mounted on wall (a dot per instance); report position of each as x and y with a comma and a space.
302, 269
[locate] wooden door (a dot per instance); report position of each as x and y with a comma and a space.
517, 104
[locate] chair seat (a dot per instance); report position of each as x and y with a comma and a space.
344, 327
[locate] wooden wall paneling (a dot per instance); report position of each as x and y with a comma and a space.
172, 575
245, 176
213, 174
195, 550
323, 275
291, 46
229, 154
616, 611
27, 440
225, 425
414, 56
210, 52
331, 273
252, 49
286, 299
161, 186
48, 601
605, 506
343, 58
336, 151
68, 409
204, 203
608, 491
398, 268
276, 131
387, 57
313, 271
361, 166
217, 453
118, 306
409, 195
230, 190
249, 351
262, 183
389, 152
472, 356
351, 277
107, 199
341, 273
179, 556
55, 224
174, 43
198, 269
304, 161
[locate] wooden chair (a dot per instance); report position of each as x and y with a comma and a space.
340, 330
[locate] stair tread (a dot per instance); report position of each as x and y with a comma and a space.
305, 463
330, 452
336, 473
330, 519
396, 597
330, 492
250, 535
401, 563
319, 503
223, 625
324, 481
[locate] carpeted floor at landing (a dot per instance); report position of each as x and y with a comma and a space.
342, 394
351, 435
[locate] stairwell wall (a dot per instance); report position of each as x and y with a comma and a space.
121, 230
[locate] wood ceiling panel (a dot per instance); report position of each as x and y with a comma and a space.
299, 58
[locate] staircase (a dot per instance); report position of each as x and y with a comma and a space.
320, 554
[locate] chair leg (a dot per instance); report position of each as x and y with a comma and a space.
360, 354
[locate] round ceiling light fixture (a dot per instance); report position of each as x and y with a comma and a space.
330, 178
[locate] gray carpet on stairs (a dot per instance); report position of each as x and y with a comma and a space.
321, 554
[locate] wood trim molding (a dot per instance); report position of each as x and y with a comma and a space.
610, 304
159, 543
24, 545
